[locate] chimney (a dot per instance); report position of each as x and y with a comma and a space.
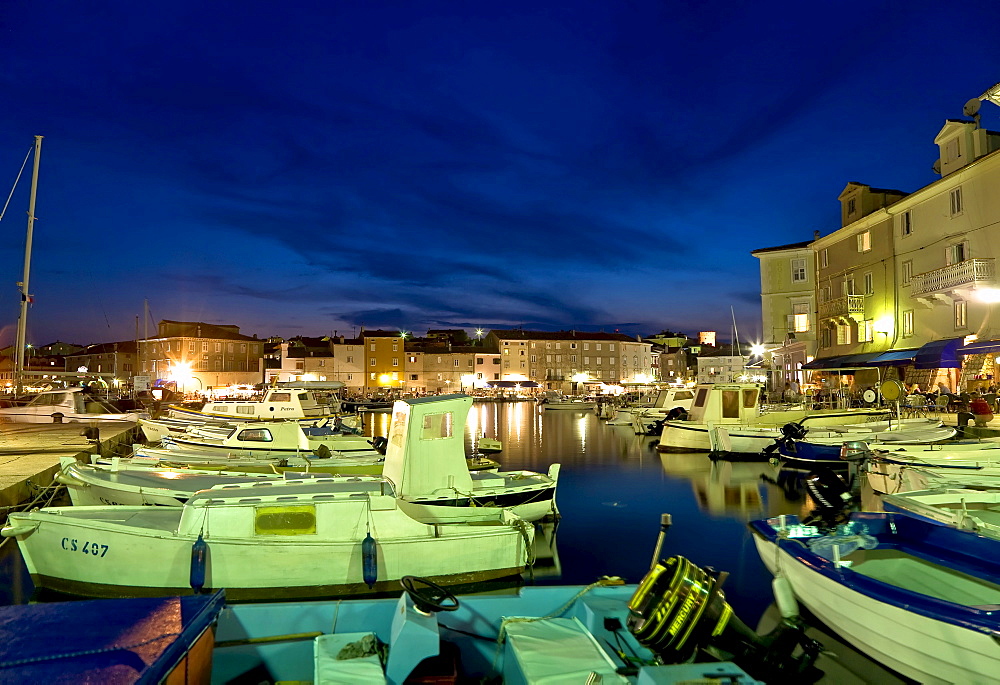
815, 235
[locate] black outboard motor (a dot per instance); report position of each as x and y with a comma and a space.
832, 497
790, 432
679, 609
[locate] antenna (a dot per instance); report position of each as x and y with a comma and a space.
971, 109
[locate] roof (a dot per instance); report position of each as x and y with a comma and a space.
779, 248
125, 347
199, 329
518, 334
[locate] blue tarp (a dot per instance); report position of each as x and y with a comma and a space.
980, 347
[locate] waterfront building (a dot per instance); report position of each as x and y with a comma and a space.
571, 362
196, 356
906, 288
114, 362
384, 357
788, 309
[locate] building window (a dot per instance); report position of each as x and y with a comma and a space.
852, 206
952, 150
956, 253
824, 258
961, 313
866, 330
869, 283
800, 317
907, 268
864, 241
395, 361
907, 323
371, 362
905, 224
350, 360
455, 361
956, 201
825, 337
847, 287
798, 271
843, 334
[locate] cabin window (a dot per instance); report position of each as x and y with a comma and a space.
702, 396
730, 404
683, 395
280, 397
221, 409
304, 396
244, 409
437, 426
750, 398
255, 435
290, 520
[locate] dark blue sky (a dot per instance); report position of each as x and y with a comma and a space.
309, 167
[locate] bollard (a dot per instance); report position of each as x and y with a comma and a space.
92, 433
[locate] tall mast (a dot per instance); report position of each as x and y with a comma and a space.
22, 321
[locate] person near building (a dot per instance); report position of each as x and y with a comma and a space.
980, 409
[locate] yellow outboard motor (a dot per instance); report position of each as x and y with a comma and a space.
679, 608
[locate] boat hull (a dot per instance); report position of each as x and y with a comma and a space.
89, 556
921, 637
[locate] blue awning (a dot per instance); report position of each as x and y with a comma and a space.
894, 357
940, 354
843, 362
980, 347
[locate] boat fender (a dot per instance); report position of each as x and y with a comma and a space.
199, 562
369, 560
784, 597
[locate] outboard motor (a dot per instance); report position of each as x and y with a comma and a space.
832, 496
790, 432
679, 609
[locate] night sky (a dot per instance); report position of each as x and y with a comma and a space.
307, 167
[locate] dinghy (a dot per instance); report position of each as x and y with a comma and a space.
921, 598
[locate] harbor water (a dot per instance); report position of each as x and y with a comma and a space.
613, 488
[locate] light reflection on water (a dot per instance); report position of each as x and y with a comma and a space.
613, 488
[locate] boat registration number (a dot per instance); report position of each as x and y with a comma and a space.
84, 546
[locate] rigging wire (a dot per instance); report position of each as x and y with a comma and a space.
16, 180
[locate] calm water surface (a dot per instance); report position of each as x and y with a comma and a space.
613, 487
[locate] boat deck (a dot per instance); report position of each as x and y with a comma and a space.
896, 567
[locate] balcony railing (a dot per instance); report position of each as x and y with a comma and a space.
842, 306
963, 274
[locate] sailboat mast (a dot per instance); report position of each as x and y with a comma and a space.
22, 321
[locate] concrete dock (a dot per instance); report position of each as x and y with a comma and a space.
30, 453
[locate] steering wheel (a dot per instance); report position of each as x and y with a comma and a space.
428, 596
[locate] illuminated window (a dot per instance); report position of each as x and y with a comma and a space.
866, 330
864, 241
961, 313
869, 283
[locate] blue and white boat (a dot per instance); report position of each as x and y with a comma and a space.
801, 444
920, 597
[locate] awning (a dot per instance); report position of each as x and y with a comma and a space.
980, 347
843, 362
942, 354
512, 384
894, 357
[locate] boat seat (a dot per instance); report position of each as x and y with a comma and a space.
554, 651
354, 670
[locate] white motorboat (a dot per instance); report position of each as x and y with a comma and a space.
67, 405
270, 439
555, 401
669, 403
282, 401
265, 540
919, 597
893, 469
726, 417
425, 460
976, 509
425, 468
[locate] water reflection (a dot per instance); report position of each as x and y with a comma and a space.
747, 489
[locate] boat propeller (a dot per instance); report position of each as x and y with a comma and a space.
679, 609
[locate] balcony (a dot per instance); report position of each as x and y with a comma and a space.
846, 307
953, 281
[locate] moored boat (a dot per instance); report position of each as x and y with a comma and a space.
973, 509
727, 417
67, 405
265, 540
920, 598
